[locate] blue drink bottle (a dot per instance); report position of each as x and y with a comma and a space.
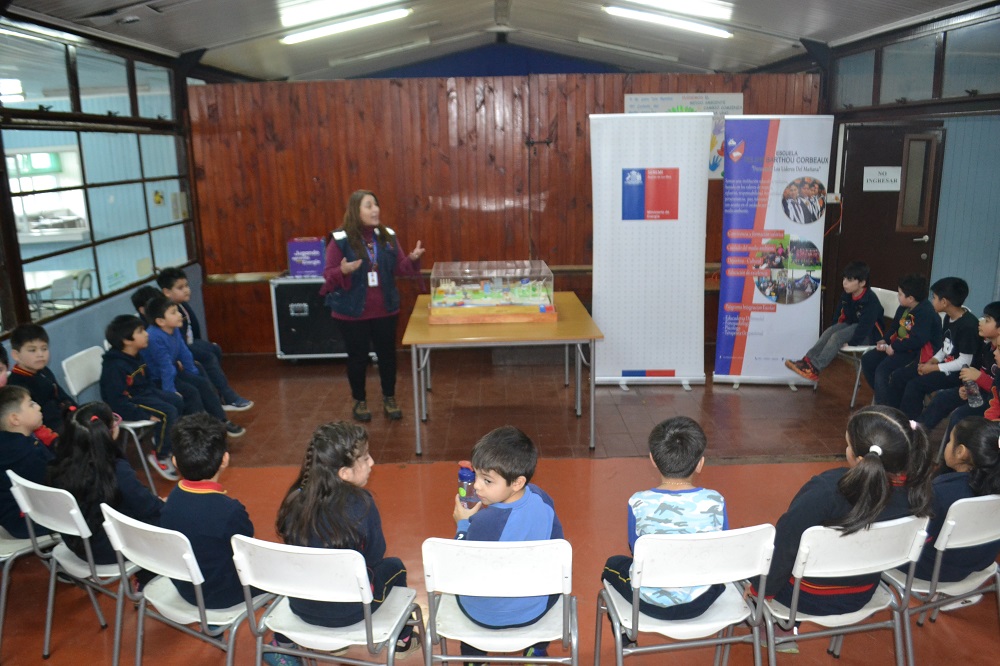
466, 480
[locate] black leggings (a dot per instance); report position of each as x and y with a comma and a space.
616, 572
360, 336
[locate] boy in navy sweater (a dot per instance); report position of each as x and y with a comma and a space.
914, 336
127, 388
510, 509
29, 344
20, 451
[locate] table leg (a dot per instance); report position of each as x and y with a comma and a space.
566, 365
425, 378
414, 355
579, 388
592, 369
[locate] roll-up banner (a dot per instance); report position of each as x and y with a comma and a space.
777, 170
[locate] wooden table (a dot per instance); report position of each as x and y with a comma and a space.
573, 327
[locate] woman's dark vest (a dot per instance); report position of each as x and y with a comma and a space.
351, 302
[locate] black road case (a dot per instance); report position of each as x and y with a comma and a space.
303, 327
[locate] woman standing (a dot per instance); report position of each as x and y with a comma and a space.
362, 260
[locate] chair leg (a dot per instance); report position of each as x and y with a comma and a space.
908, 637
231, 645
119, 622
897, 638
4, 586
142, 458
857, 384
601, 610
97, 606
772, 657
53, 568
140, 625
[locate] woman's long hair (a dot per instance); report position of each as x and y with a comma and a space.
354, 226
902, 457
981, 438
316, 504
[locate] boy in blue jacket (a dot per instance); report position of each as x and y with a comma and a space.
29, 345
20, 451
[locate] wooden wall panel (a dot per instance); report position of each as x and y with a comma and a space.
448, 158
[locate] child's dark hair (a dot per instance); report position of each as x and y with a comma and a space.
316, 503
142, 295
157, 307
857, 270
3, 357
506, 451
981, 437
914, 285
199, 443
120, 329
85, 462
26, 333
11, 399
168, 277
677, 445
955, 289
886, 445
992, 310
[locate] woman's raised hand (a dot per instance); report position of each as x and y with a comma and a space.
348, 267
418, 252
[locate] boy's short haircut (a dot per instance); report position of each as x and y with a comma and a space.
857, 270
11, 399
142, 295
122, 328
914, 285
677, 445
992, 310
157, 307
26, 333
3, 356
199, 443
508, 452
168, 277
955, 289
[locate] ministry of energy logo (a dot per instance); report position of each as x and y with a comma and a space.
650, 194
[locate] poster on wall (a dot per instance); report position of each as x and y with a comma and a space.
718, 104
774, 207
650, 204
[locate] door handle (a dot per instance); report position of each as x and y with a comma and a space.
923, 239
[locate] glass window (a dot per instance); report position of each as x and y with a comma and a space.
972, 60
166, 202
116, 210
109, 157
919, 155
33, 73
103, 83
170, 245
152, 85
159, 155
853, 79
50, 222
908, 70
42, 160
124, 261
59, 283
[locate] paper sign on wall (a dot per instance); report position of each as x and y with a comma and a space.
882, 179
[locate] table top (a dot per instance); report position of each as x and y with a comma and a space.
574, 324
38, 280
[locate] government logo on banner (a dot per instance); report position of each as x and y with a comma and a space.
650, 194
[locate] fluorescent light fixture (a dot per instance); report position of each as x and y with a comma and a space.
345, 26
667, 21
704, 8
311, 11
627, 49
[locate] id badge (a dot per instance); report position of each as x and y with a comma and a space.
373, 279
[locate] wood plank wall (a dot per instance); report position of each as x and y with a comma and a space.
451, 160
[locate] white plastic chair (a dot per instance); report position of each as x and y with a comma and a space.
970, 522
825, 552
57, 510
852, 354
11, 549
687, 560
168, 554
499, 569
321, 574
82, 370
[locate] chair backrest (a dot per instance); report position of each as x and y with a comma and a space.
825, 552
83, 369
889, 299
320, 574
164, 552
970, 522
498, 568
686, 560
64, 288
53, 508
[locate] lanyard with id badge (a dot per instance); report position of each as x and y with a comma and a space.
372, 250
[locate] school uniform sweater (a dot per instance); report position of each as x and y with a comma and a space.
915, 330
124, 382
27, 457
162, 355
865, 311
46, 391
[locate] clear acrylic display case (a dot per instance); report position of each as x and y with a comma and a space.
472, 292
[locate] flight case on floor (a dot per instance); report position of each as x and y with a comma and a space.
303, 327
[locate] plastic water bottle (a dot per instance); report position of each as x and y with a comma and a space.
972, 393
466, 484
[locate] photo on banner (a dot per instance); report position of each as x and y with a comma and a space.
774, 213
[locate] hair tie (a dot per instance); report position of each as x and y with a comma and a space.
913, 425
93, 418
71, 408
876, 449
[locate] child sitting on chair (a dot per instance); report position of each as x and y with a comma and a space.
20, 451
29, 345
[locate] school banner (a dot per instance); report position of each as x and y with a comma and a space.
650, 202
774, 206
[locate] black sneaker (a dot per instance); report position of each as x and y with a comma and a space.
360, 411
234, 430
391, 409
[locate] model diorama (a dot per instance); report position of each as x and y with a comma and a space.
481, 292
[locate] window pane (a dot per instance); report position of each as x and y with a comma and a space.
908, 70
103, 83
50, 222
853, 79
55, 284
109, 157
166, 201
159, 155
42, 160
39, 68
970, 60
152, 85
170, 246
123, 262
117, 210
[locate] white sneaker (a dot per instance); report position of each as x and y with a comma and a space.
164, 468
962, 603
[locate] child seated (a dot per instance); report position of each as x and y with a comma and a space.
140, 297
857, 321
174, 284
29, 345
172, 367
914, 335
199, 508
20, 451
128, 389
509, 509
675, 506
